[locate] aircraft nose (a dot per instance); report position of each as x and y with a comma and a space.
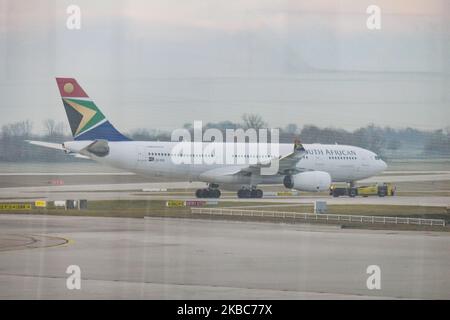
383, 165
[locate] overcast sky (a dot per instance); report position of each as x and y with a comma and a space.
160, 64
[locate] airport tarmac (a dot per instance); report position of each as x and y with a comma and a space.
37, 179
91, 183
134, 192
156, 258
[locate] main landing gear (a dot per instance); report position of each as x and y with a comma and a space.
211, 192
250, 193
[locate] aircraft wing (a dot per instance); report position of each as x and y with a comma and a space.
286, 164
50, 145
220, 172
80, 156
56, 146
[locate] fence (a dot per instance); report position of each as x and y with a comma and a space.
319, 217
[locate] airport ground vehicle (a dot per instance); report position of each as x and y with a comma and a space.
381, 190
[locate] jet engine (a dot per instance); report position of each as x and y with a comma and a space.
308, 181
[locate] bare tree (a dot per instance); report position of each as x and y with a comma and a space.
53, 128
394, 144
49, 125
20, 129
253, 121
291, 129
60, 128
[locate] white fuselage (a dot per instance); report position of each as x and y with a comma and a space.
204, 162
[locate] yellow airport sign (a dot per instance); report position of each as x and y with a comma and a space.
286, 194
15, 206
175, 203
40, 204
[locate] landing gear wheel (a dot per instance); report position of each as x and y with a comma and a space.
202, 193
214, 193
208, 193
244, 193
352, 193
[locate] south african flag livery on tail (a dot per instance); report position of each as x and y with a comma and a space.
86, 121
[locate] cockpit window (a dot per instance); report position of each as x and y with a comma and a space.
377, 158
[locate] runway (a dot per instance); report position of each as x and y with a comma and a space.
153, 258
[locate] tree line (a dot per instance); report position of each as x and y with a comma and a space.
386, 141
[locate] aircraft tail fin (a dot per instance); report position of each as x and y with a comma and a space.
86, 120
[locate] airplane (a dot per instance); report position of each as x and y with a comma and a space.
303, 167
